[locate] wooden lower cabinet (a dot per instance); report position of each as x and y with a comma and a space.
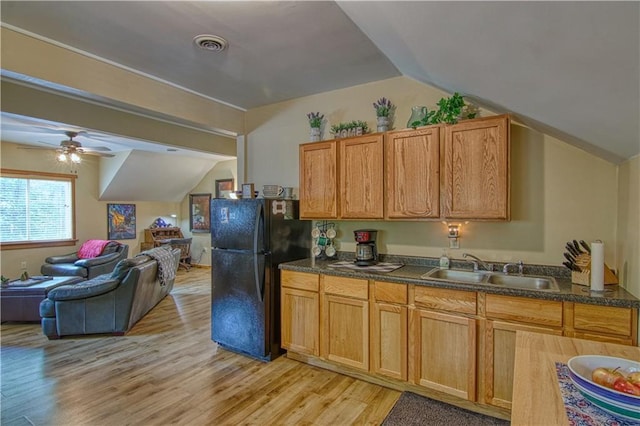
499, 354
443, 352
453, 341
602, 323
300, 312
345, 331
389, 340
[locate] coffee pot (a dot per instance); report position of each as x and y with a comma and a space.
366, 250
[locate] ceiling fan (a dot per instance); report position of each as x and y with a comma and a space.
70, 150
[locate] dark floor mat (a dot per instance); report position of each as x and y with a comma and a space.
412, 409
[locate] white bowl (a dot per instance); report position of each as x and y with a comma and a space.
619, 404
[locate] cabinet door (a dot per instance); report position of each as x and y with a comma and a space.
361, 178
345, 331
389, 340
444, 352
499, 354
300, 321
412, 161
318, 180
476, 180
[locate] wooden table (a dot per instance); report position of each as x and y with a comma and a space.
536, 393
23, 303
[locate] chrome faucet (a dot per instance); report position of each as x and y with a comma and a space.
477, 262
520, 264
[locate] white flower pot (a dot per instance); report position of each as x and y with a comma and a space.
314, 134
383, 124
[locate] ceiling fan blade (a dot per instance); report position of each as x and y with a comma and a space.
96, 148
98, 154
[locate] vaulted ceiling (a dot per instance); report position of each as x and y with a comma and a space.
570, 69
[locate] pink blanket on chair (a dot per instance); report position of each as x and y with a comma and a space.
92, 248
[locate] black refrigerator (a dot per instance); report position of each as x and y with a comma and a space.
249, 239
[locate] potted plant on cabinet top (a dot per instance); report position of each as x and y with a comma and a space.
449, 111
384, 108
315, 122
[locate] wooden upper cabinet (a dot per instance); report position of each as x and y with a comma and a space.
318, 180
412, 160
361, 177
476, 175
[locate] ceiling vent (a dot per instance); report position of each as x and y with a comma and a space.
210, 42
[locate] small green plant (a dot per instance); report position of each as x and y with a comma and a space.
383, 107
449, 111
315, 119
363, 124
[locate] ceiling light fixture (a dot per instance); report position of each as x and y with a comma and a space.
64, 157
210, 42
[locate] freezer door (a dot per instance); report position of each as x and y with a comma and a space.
237, 224
240, 305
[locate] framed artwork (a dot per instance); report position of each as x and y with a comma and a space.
121, 221
199, 219
224, 187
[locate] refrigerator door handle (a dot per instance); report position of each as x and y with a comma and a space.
258, 278
256, 231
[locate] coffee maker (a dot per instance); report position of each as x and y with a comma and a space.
366, 251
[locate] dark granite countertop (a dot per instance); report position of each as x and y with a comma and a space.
415, 267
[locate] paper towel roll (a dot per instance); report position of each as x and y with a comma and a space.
597, 266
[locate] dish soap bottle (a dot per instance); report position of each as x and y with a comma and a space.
444, 260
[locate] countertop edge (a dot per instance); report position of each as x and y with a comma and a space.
569, 292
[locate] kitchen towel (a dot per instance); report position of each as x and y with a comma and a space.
597, 266
581, 412
379, 267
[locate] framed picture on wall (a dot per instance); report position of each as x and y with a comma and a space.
224, 187
121, 221
199, 205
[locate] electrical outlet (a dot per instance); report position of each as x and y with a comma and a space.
23, 264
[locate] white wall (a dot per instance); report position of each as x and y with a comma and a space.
201, 243
91, 214
559, 192
628, 246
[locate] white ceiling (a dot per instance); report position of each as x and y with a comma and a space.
570, 69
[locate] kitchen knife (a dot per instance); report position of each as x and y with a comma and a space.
570, 258
570, 249
572, 266
586, 246
577, 247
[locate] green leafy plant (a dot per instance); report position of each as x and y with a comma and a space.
364, 125
315, 119
383, 107
449, 111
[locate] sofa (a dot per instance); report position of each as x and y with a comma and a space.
110, 303
73, 265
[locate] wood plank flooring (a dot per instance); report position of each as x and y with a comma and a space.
167, 370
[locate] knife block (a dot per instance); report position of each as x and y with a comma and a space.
584, 277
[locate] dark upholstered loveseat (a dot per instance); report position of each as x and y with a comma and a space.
72, 265
110, 303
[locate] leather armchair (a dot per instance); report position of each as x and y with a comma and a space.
71, 265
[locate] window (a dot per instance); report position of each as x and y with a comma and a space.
36, 209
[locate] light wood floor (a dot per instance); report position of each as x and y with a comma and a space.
167, 370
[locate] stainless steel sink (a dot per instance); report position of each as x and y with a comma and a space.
456, 275
524, 281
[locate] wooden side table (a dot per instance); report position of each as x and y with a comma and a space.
23, 303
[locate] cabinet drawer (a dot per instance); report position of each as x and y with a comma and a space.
458, 301
603, 319
350, 287
391, 292
524, 309
300, 280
